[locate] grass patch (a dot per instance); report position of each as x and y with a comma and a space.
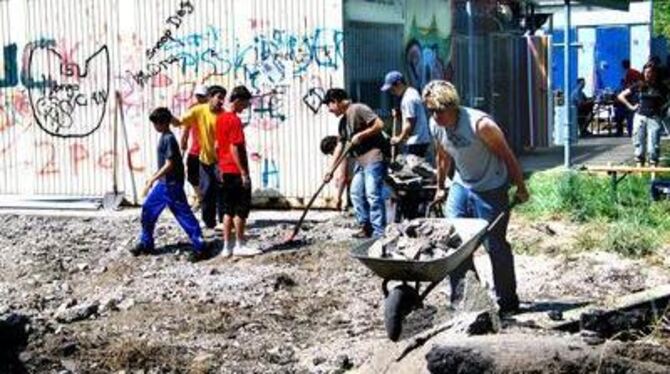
628, 223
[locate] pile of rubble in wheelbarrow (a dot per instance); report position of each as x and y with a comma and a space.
419, 239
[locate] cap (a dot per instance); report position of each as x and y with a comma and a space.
200, 90
392, 78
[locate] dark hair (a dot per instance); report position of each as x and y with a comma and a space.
161, 116
580, 80
328, 144
215, 90
335, 94
240, 93
625, 63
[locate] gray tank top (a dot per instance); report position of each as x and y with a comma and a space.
477, 168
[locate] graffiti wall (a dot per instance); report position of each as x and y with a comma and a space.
428, 41
62, 129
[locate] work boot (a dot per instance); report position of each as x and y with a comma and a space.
364, 232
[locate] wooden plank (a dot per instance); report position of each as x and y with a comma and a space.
626, 169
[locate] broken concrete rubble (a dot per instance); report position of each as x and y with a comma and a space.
418, 239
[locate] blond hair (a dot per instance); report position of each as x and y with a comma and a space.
439, 95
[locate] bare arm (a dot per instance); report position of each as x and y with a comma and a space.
339, 149
443, 165
239, 153
376, 127
623, 98
407, 129
494, 139
183, 143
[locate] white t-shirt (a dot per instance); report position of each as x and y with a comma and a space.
412, 107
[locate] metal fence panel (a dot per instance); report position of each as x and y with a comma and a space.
64, 60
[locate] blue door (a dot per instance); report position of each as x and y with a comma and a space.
557, 58
612, 46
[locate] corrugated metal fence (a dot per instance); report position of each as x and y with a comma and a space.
64, 59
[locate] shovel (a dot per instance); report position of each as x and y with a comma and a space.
291, 237
113, 200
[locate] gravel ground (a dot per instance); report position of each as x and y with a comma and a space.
312, 309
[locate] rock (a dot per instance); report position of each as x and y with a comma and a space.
203, 362
555, 315
458, 360
282, 355
68, 349
343, 362
126, 304
82, 266
282, 282
109, 304
70, 366
100, 270
77, 312
318, 360
214, 271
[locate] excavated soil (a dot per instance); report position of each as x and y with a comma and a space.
311, 308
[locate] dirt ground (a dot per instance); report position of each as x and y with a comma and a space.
95, 308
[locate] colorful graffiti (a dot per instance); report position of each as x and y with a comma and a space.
428, 46
57, 116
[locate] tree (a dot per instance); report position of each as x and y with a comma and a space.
662, 18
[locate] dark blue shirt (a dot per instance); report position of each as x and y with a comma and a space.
652, 99
168, 149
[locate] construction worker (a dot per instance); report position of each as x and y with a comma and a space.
362, 128
415, 133
484, 168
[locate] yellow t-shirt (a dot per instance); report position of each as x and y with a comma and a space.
201, 116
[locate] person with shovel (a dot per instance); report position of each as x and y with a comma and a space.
414, 133
203, 117
234, 169
484, 167
360, 130
166, 188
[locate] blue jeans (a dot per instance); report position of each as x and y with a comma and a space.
647, 138
465, 203
367, 196
171, 195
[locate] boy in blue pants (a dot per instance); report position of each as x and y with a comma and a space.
169, 191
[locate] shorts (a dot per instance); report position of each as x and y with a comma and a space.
193, 169
236, 199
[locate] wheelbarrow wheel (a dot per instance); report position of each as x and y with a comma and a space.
399, 303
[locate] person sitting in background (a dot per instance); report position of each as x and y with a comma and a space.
168, 191
584, 106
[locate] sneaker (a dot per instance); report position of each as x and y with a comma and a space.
140, 249
245, 251
226, 252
